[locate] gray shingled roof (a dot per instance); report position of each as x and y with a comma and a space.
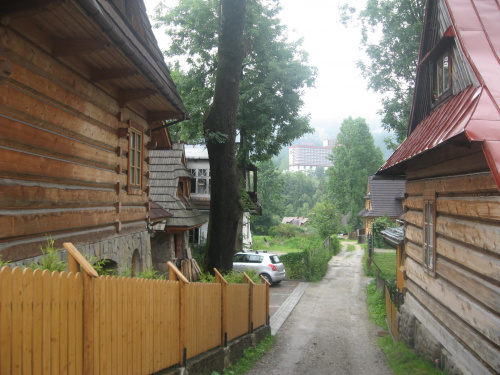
386, 196
396, 235
166, 168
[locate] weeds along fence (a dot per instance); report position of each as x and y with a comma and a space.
79, 323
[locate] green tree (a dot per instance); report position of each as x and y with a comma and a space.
392, 58
354, 158
273, 75
271, 188
324, 219
299, 192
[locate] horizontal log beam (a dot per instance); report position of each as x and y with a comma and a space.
474, 183
446, 327
484, 208
16, 224
480, 235
476, 315
484, 291
482, 263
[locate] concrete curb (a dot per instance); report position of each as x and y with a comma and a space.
287, 307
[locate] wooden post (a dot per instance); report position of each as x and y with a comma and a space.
220, 279
75, 260
175, 275
264, 281
249, 281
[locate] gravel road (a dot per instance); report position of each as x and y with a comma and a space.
328, 332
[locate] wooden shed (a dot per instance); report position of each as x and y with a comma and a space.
82, 85
451, 160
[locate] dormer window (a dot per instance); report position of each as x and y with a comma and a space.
442, 77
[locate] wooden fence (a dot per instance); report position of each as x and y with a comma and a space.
79, 323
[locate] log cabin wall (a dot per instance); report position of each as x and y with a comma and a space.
458, 303
64, 161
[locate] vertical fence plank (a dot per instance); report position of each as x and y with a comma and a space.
38, 322
135, 326
71, 323
5, 319
79, 334
114, 324
17, 320
103, 360
47, 322
27, 321
55, 331
63, 305
108, 325
96, 285
130, 326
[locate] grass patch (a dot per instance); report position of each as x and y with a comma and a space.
250, 357
386, 262
290, 245
403, 361
350, 248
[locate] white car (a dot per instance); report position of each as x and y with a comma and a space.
265, 264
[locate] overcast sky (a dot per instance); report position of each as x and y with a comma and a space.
334, 49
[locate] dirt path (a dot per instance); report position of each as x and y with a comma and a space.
329, 332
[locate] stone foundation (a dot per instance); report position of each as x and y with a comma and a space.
418, 338
118, 249
219, 358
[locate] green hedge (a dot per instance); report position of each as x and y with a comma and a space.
309, 264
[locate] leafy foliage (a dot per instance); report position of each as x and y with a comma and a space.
310, 264
300, 192
393, 57
249, 358
270, 186
286, 231
273, 77
232, 277
380, 224
50, 260
324, 219
354, 159
376, 305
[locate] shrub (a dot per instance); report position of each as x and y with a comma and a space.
379, 225
286, 231
50, 260
310, 264
232, 277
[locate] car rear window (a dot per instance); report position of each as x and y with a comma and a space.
274, 259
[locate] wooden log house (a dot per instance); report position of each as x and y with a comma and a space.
82, 86
451, 159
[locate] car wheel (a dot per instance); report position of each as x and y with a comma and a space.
268, 278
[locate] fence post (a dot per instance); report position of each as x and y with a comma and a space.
249, 281
220, 279
264, 281
75, 260
175, 275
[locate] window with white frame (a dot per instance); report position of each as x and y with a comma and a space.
135, 158
200, 184
430, 231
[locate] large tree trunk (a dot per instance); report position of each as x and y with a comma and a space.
225, 202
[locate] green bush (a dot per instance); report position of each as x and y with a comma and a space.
335, 244
286, 231
380, 224
50, 260
310, 264
232, 277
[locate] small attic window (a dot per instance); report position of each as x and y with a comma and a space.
442, 77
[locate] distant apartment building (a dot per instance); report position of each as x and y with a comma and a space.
307, 157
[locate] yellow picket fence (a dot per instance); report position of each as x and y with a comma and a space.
79, 323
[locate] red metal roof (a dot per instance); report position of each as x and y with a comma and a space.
475, 112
